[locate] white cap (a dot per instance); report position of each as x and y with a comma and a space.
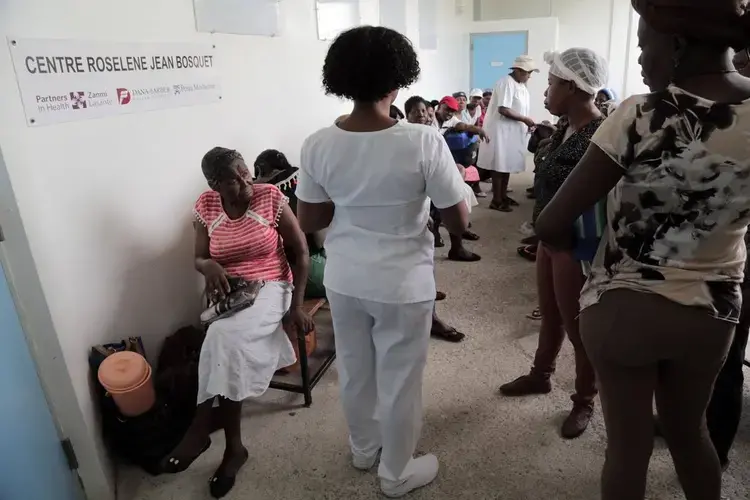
476, 93
525, 63
584, 67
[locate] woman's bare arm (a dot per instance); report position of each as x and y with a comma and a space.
295, 239
314, 216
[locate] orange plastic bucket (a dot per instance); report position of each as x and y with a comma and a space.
127, 378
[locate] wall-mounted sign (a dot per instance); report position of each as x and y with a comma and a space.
69, 80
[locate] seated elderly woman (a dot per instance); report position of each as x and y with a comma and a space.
240, 232
416, 112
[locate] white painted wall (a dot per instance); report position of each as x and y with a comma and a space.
600, 25
106, 203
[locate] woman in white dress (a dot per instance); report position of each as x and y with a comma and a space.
507, 123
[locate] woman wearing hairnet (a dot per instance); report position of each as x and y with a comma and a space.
664, 295
575, 76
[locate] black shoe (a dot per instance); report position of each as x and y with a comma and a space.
510, 201
463, 255
220, 485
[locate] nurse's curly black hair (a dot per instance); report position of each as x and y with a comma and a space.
369, 62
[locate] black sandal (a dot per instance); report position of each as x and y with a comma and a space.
463, 256
510, 201
450, 335
468, 235
174, 465
440, 296
527, 253
536, 314
220, 486
500, 207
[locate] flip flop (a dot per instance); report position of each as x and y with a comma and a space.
535, 314
450, 335
500, 207
526, 253
468, 235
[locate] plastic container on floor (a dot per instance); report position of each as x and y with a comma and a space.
127, 378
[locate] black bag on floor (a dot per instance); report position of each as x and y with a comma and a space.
146, 439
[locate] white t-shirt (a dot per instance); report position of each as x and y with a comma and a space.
448, 124
378, 247
467, 118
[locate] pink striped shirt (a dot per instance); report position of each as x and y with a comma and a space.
251, 246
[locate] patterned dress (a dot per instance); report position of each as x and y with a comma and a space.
677, 219
242, 352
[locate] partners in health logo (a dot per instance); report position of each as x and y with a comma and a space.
78, 100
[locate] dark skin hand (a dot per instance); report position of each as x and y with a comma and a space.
472, 129
592, 179
293, 237
515, 115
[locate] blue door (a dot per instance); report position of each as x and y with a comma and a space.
492, 55
32, 462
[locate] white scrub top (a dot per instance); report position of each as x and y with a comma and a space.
506, 151
378, 246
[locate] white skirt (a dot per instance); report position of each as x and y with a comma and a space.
241, 353
469, 197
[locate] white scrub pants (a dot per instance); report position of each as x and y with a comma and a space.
381, 352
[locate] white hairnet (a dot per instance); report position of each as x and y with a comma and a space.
584, 67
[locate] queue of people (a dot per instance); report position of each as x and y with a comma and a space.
641, 212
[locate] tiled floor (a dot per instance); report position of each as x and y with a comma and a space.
489, 447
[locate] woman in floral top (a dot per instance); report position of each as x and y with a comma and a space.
660, 307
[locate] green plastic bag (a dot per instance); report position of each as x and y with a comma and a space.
315, 288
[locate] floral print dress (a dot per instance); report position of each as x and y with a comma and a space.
676, 220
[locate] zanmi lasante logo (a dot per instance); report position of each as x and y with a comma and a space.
78, 100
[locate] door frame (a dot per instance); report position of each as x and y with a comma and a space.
485, 33
44, 345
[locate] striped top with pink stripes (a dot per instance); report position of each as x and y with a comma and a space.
251, 246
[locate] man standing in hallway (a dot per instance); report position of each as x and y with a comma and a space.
507, 124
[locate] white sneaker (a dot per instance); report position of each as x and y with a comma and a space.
424, 468
526, 229
365, 463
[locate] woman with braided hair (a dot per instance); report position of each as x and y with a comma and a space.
661, 303
241, 230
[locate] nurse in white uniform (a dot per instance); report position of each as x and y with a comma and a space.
368, 178
507, 124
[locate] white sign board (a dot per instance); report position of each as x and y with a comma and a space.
68, 80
